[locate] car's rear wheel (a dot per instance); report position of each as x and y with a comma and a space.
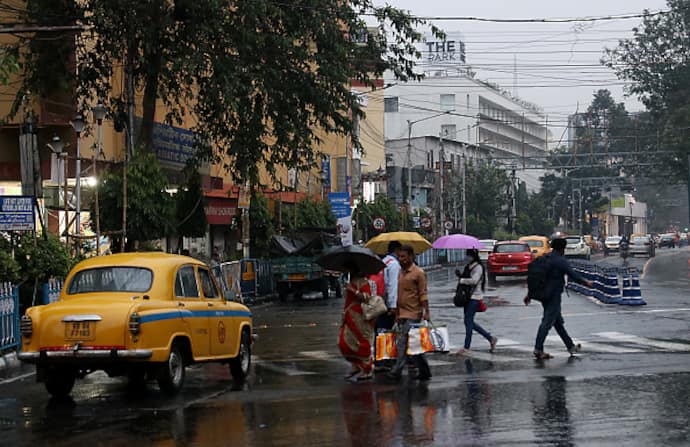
239, 366
171, 374
60, 381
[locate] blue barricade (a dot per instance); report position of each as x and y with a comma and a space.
9, 316
51, 290
611, 284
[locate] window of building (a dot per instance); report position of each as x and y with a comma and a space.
390, 104
448, 131
447, 102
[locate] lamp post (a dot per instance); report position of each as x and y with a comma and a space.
98, 114
57, 145
78, 124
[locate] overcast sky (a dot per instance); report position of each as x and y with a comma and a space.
557, 65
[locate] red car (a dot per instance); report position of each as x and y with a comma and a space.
509, 258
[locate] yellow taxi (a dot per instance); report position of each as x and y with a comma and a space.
538, 245
140, 315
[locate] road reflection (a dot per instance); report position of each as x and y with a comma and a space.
550, 414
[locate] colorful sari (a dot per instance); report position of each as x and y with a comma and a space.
357, 334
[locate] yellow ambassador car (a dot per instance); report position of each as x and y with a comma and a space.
538, 245
140, 315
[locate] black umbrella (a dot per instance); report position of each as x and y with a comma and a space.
339, 258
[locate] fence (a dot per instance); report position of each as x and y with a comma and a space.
9, 316
610, 284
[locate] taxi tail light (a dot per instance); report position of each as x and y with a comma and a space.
26, 326
134, 323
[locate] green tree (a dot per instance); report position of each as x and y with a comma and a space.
486, 186
189, 208
383, 207
150, 209
656, 63
261, 229
309, 213
258, 76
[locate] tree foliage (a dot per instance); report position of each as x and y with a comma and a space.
486, 187
150, 209
383, 207
309, 213
259, 78
261, 229
656, 62
189, 207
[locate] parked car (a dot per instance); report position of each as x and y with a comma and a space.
140, 315
612, 243
577, 247
538, 244
641, 245
509, 258
667, 240
488, 247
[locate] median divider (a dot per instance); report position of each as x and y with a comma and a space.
610, 284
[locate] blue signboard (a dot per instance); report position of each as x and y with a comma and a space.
326, 168
17, 213
173, 145
340, 204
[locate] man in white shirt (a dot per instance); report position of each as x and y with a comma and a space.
390, 279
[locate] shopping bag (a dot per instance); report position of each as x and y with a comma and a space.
385, 346
418, 341
438, 336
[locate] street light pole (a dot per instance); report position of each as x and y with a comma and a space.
99, 114
78, 124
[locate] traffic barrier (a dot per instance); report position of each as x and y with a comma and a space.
9, 316
632, 294
51, 290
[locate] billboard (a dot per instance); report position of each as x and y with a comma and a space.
17, 213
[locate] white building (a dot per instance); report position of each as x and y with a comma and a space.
452, 104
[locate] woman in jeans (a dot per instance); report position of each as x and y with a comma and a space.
476, 277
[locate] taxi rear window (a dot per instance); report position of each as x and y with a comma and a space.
511, 248
535, 243
111, 279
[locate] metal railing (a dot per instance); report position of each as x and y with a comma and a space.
9, 316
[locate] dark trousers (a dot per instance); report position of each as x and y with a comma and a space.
404, 326
552, 318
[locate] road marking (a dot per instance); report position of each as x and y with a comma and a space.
588, 346
16, 379
288, 371
487, 356
667, 345
318, 355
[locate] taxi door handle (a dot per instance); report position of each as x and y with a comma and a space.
180, 304
210, 304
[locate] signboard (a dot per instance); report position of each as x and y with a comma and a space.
326, 171
340, 204
442, 54
425, 223
17, 213
448, 225
220, 211
379, 224
172, 145
618, 202
244, 198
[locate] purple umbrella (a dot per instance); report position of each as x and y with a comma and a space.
457, 241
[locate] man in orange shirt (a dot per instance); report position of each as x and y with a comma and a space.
413, 307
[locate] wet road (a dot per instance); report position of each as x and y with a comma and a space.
630, 386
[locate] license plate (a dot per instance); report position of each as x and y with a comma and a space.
510, 267
80, 330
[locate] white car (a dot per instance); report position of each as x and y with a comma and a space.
577, 246
612, 243
487, 247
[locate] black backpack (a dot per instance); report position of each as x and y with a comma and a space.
537, 278
463, 293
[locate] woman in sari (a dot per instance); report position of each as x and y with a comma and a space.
356, 333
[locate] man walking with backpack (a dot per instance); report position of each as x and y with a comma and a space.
556, 266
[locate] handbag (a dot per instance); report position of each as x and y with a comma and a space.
426, 337
482, 306
373, 307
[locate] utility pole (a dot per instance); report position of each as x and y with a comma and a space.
441, 171
464, 208
409, 169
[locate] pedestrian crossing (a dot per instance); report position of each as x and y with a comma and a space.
507, 351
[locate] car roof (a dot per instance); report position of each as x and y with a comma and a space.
511, 242
139, 259
534, 237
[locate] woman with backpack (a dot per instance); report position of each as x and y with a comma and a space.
474, 276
